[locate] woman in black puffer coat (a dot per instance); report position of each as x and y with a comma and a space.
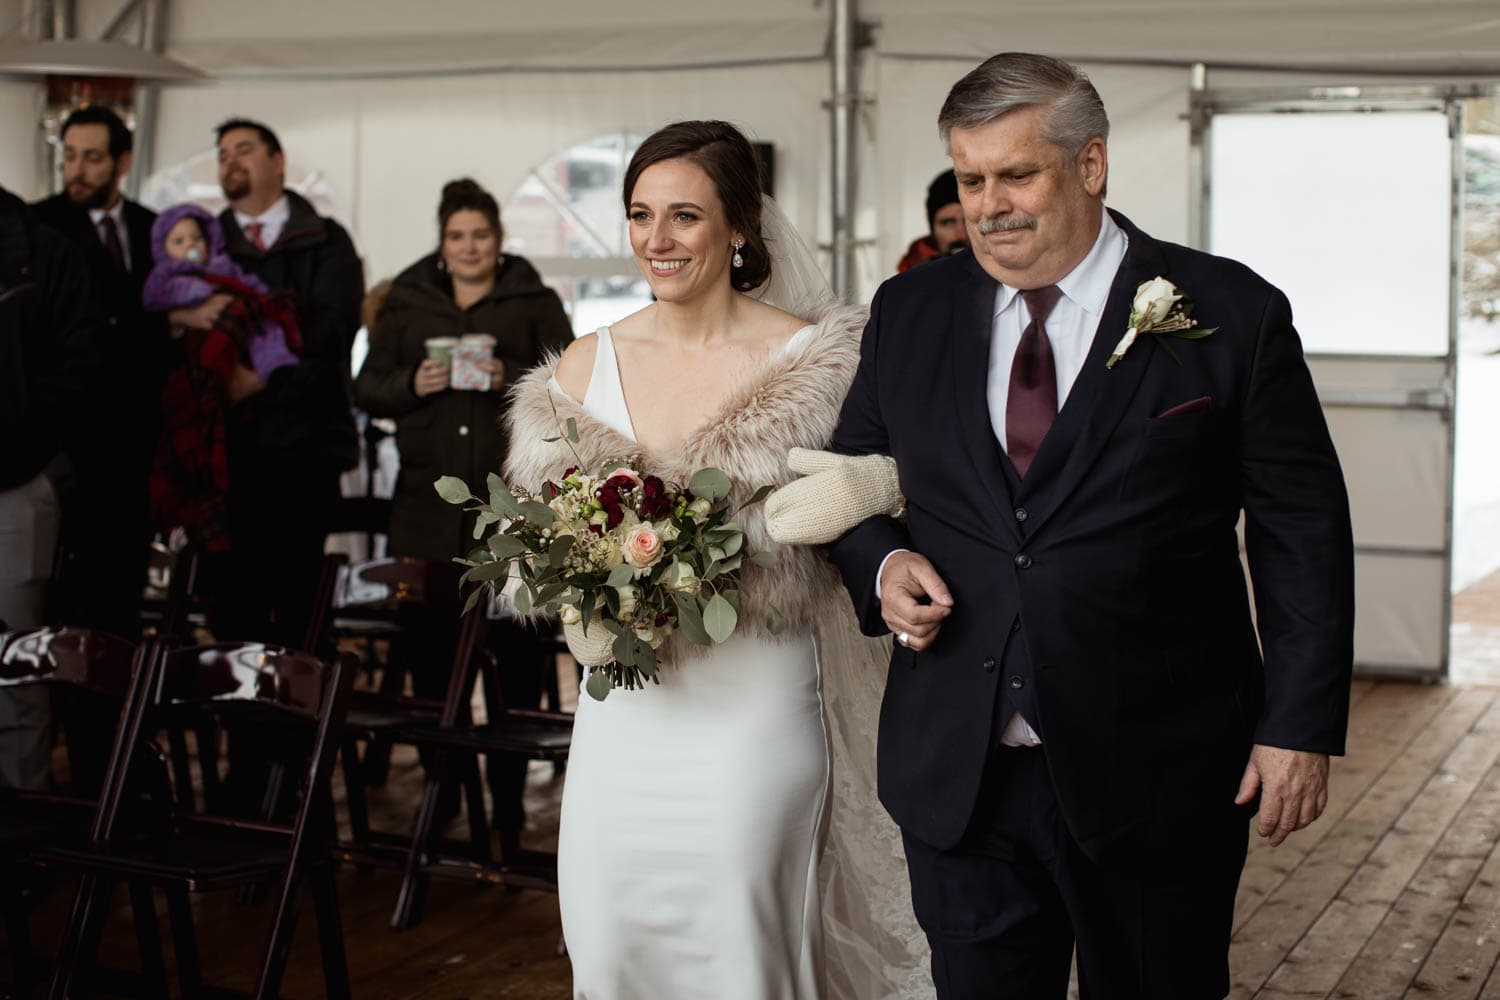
466, 286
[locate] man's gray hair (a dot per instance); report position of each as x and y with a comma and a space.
1014, 80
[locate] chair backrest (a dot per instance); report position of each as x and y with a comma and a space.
288, 680
87, 658
395, 584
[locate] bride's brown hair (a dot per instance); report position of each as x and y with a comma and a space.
730, 162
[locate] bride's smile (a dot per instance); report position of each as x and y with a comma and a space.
679, 231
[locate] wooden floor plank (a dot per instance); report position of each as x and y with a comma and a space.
1325, 953
1263, 942
1396, 952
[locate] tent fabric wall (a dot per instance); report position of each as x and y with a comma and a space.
389, 145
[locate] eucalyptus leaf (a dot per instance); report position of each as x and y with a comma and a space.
690, 619
613, 627
551, 592
733, 543
557, 552
733, 597
623, 649
645, 658
572, 430
484, 520
719, 619
717, 553
1194, 334
760, 495
611, 601
522, 600
775, 623
485, 572
709, 484
453, 489
494, 484
621, 575
507, 546
586, 609
731, 564
599, 685
538, 514
474, 596
763, 558
504, 503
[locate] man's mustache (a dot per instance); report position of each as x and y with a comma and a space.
1005, 224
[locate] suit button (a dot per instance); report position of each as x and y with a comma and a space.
1023, 561
989, 664
1021, 514
463, 430
1017, 683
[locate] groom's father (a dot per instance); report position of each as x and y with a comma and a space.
1079, 719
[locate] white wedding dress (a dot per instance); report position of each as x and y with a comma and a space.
694, 813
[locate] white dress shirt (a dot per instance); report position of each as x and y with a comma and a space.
97, 216
1070, 330
272, 222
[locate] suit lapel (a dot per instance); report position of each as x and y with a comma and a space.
973, 323
1100, 395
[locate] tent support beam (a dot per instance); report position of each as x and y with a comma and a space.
841, 120
147, 98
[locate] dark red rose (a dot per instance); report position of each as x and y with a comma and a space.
615, 515
620, 482
653, 487
662, 618
569, 471
608, 495
596, 529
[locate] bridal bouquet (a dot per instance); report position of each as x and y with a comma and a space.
620, 550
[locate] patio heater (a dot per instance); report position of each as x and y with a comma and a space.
78, 72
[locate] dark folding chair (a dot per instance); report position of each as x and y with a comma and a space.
97, 665
300, 698
534, 735
415, 599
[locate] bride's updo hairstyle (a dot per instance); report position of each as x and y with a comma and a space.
729, 160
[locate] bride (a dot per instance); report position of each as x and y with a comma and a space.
719, 830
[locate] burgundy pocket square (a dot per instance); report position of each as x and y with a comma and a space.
1191, 406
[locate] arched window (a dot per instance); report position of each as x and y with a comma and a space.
566, 218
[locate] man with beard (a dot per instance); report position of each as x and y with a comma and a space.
293, 439
105, 545
945, 224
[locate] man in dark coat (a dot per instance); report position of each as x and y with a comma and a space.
1078, 719
290, 442
49, 325
104, 558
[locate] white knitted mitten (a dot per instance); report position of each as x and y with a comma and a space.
836, 493
590, 650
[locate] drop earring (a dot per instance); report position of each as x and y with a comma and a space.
737, 260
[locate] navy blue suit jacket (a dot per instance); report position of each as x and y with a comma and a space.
1108, 587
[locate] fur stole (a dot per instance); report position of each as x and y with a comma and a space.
792, 401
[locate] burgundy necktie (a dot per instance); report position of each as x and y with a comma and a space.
110, 234
252, 230
1031, 405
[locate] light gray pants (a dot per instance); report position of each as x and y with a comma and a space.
28, 545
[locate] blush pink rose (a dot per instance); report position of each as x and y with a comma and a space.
642, 546
627, 473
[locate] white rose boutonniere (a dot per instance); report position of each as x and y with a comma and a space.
1160, 308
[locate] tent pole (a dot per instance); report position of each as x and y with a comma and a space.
147, 99
841, 116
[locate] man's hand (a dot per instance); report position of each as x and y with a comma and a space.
1293, 787
204, 315
431, 377
906, 580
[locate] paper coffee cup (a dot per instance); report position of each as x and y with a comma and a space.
440, 348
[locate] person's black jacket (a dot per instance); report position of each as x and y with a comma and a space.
133, 349
304, 409
453, 432
49, 326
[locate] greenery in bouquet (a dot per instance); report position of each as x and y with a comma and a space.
619, 549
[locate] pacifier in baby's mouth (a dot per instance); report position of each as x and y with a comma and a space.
194, 254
